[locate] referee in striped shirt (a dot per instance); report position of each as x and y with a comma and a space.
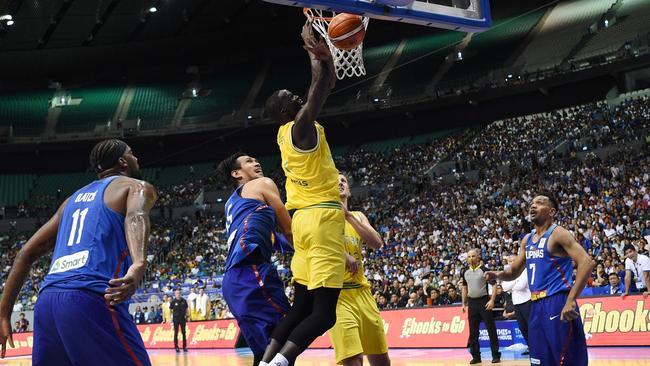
475, 294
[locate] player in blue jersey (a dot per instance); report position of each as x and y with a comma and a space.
99, 236
251, 286
555, 330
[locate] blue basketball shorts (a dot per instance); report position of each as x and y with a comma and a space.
553, 342
76, 327
255, 296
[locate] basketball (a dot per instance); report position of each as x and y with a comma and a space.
346, 31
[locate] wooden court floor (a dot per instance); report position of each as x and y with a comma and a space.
602, 356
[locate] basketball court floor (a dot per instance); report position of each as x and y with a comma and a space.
601, 356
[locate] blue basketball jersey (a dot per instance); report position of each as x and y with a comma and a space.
90, 244
547, 274
249, 226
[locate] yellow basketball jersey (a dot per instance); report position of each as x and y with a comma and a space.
167, 312
353, 244
312, 177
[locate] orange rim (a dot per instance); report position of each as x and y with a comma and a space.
308, 13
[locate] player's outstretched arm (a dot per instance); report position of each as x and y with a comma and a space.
139, 201
585, 266
271, 195
362, 226
323, 79
39, 244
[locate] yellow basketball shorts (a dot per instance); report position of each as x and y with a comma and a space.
359, 328
318, 241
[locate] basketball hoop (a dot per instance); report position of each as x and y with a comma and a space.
346, 63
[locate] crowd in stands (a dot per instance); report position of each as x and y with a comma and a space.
177, 195
428, 226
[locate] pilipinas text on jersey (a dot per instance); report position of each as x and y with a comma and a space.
547, 274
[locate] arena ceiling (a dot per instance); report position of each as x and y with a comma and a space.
76, 33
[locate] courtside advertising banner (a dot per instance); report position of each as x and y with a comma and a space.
23, 345
608, 321
209, 334
420, 328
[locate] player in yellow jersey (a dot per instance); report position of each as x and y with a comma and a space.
359, 329
318, 264
166, 311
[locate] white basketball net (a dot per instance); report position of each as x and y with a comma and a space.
346, 63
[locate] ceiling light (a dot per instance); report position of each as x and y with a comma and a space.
153, 9
10, 22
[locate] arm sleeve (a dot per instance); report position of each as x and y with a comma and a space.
522, 281
629, 266
508, 286
645, 264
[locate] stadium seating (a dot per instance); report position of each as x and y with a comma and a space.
564, 27
26, 111
15, 188
374, 59
180, 173
633, 20
49, 184
155, 104
421, 59
499, 42
227, 92
424, 227
98, 105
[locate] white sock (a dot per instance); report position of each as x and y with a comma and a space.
279, 360
262, 363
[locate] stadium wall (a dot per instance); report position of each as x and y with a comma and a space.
608, 321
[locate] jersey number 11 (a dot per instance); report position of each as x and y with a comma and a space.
78, 217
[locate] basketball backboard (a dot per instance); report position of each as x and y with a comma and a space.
460, 15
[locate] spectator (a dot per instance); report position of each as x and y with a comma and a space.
23, 323
403, 297
152, 316
382, 304
509, 311
18, 307
435, 297
600, 276
166, 311
147, 314
202, 305
520, 299
159, 314
615, 284
138, 316
452, 296
191, 301
394, 302
500, 302
637, 269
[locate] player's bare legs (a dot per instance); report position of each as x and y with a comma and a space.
379, 360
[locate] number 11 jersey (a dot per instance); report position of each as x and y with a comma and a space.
90, 244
